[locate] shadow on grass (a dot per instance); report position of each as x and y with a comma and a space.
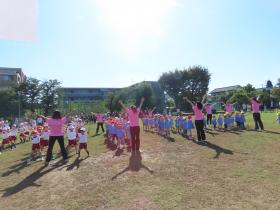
30, 181
110, 145
119, 152
17, 167
169, 138
212, 133
97, 134
135, 164
219, 150
75, 164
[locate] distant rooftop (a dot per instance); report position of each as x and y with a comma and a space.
225, 89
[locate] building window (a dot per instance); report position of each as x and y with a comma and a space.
6, 78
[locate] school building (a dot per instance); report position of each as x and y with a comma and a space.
10, 77
86, 94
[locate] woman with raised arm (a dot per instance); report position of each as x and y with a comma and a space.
228, 106
133, 116
256, 113
199, 119
209, 111
56, 125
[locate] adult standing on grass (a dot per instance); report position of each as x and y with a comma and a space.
228, 106
199, 119
56, 125
256, 113
100, 120
133, 116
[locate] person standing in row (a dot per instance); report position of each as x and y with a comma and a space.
56, 125
100, 120
228, 106
199, 119
256, 113
133, 116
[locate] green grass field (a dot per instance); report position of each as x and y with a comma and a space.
235, 170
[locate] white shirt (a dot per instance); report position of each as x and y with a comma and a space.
71, 135
45, 135
35, 139
83, 138
5, 134
13, 132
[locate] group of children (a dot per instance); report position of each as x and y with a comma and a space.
118, 132
157, 123
185, 125
40, 135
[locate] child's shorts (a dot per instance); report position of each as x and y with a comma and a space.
35, 146
83, 146
6, 141
72, 142
44, 142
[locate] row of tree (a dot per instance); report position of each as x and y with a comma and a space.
30, 96
269, 96
45, 96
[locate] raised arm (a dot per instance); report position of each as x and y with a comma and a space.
121, 103
141, 103
204, 99
186, 98
153, 110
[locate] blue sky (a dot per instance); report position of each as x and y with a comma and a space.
109, 43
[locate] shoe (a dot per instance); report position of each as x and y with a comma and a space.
46, 164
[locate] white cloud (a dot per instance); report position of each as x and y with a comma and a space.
135, 25
18, 19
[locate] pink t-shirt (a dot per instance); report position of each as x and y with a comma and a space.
99, 118
197, 113
229, 108
255, 106
133, 117
208, 109
56, 126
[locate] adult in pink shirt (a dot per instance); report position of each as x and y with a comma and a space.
133, 116
199, 118
228, 106
256, 113
100, 120
209, 112
56, 125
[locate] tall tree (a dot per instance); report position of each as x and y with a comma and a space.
275, 94
269, 84
192, 82
278, 82
249, 89
146, 92
265, 98
30, 93
49, 95
172, 83
9, 103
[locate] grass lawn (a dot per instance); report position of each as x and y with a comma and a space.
234, 170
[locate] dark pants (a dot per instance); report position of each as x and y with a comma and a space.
98, 125
199, 125
258, 121
209, 119
52, 140
135, 138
